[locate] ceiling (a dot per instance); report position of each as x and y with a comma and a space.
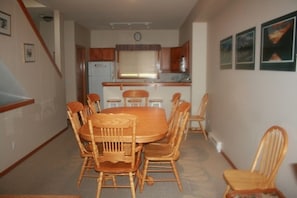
128, 14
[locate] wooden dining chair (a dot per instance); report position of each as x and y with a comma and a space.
269, 156
77, 116
120, 155
160, 158
199, 117
175, 100
93, 101
135, 97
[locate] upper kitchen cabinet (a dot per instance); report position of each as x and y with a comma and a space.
175, 56
171, 58
185, 51
165, 59
102, 54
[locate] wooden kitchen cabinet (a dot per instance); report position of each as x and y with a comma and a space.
171, 56
186, 53
165, 59
175, 56
102, 54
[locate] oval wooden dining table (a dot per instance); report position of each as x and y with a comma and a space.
151, 124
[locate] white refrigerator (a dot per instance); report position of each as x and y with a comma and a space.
99, 72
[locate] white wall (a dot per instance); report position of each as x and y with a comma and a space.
70, 69
110, 38
24, 129
199, 64
74, 35
244, 103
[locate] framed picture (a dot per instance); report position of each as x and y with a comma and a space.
226, 53
29, 52
278, 45
245, 49
5, 24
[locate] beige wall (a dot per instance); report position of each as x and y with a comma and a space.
24, 129
109, 38
70, 61
244, 103
75, 35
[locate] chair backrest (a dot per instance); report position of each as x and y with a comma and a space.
179, 124
175, 97
93, 100
79, 110
175, 100
110, 129
77, 119
136, 97
270, 154
203, 105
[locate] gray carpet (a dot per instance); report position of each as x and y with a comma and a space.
55, 168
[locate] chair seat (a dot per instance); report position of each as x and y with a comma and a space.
116, 168
246, 180
156, 152
157, 146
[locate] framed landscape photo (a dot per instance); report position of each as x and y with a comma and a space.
278, 44
226, 53
5, 24
245, 49
29, 52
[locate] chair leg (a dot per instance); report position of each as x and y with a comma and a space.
110, 177
82, 171
100, 180
137, 177
114, 181
176, 175
187, 129
132, 184
143, 177
203, 130
226, 191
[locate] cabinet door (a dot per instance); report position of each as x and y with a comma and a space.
186, 53
165, 59
175, 55
102, 54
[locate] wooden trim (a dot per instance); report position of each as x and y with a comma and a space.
31, 153
15, 105
228, 160
28, 16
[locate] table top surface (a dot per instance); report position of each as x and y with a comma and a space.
151, 124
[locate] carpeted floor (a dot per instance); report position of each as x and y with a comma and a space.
55, 168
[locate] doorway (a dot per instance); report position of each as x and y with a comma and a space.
81, 90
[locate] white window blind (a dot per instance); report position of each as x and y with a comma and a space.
138, 61
138, 64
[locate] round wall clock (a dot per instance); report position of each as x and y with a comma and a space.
137, 36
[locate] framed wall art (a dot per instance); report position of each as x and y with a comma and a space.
245, 49
29, 52
278, 44
226, 53
5, 24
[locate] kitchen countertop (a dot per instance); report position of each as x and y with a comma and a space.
110, 84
